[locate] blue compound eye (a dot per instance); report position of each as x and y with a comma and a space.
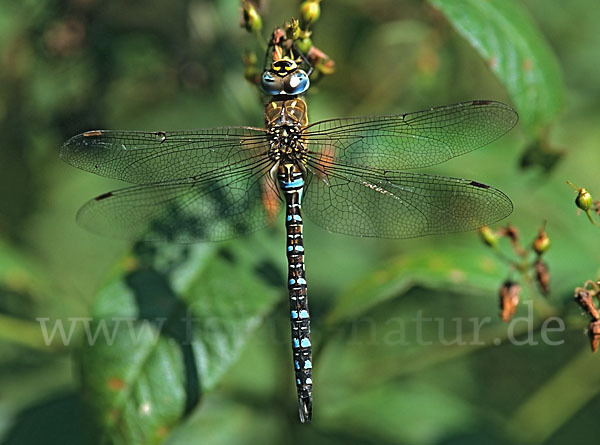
271, 84
296, 83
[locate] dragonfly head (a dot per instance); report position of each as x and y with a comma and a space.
285, 77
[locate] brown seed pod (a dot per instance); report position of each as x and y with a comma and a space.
584, 298
542, 276
509, 299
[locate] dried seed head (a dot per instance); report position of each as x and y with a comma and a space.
594, 333
512, 233
542, 276
584, 298
509, 299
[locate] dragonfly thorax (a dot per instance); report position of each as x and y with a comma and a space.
286, 143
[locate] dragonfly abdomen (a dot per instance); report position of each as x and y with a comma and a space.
291, 182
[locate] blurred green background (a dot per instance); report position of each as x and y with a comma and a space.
72, 66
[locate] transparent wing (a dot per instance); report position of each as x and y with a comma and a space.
211, 207
361, 202
143, 157
411, 140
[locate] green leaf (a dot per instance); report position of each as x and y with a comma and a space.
575, 393
428, 413
168, 330
224, 421
504, 35
476, 273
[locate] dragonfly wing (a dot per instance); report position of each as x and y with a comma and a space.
411, 140
385, 204
211, 207
142, 157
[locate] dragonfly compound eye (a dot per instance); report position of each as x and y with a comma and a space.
271, 84
296, 83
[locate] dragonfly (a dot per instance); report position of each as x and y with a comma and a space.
348, 175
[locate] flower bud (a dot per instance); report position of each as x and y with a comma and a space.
304, 45
488, 236
251, 19
251, 70
309, 12
541, 243
584, 200
292, 30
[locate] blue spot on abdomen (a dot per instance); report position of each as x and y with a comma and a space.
293, 184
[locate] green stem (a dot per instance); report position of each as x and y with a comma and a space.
261, 41
541, 306
589, 215
505, 258
24, 333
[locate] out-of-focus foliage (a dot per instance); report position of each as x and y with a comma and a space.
504, 36
381, 375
